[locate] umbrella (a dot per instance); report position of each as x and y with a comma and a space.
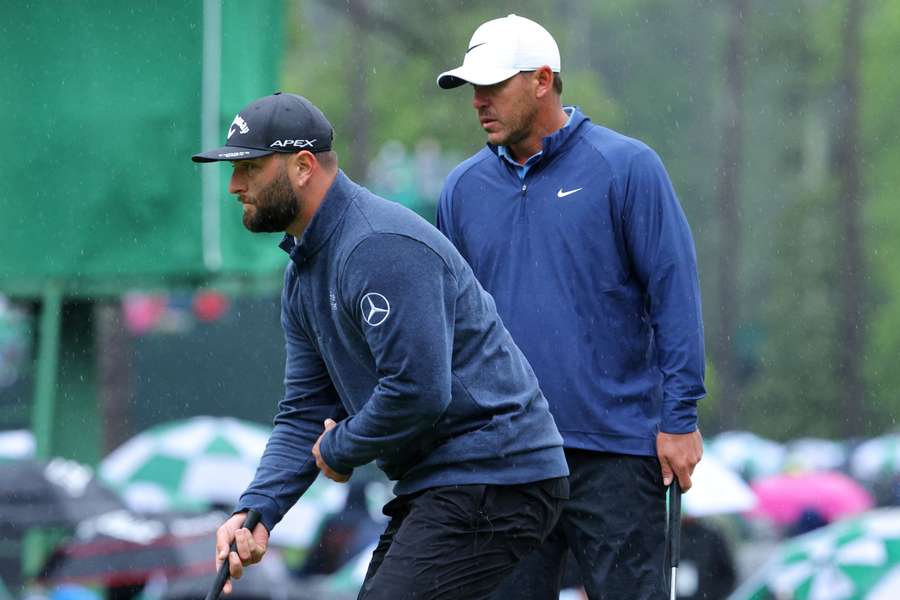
172, 553
266, 580
204, 461
876, 457
324, 498
349, 579
784, 498
18, 443
48, 494
301, 524
748, 454
853, 559
122, 548
186, 464
814, 454
716, 490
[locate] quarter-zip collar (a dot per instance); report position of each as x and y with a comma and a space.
338, 197
550, 145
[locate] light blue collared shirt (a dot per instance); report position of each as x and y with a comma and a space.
503, 152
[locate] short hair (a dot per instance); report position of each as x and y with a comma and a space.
328, 159
557, 81
557, 84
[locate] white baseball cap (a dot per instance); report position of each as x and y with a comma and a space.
501, 48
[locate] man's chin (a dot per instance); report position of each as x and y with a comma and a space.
262, 226
254, 226
499, 138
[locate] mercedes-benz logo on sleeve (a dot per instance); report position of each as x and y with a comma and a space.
375, 308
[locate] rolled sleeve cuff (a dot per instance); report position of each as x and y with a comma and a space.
266, 507
329, 455
680, 417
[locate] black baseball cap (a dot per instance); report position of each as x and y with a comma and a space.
277, 123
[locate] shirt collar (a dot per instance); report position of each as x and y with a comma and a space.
329, 214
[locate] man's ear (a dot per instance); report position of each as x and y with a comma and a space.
543, 81
301, 166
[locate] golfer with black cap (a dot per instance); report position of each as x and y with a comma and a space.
394, 354
577, 232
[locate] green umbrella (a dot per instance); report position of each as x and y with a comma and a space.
855, 559
203, 461
190, 463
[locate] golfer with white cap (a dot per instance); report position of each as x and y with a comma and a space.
577, 233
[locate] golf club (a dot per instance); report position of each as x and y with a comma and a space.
674, 531
222, 576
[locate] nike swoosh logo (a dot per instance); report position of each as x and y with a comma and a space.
562, 194
475, 46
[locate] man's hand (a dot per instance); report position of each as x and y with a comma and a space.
679, 454
250, 548
320, 462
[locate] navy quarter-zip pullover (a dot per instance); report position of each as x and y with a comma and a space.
389, 333
590, 260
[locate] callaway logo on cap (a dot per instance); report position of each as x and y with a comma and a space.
501, 48
276, 123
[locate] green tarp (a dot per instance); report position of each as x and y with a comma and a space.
101, 104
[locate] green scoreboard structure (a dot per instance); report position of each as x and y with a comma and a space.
102, 103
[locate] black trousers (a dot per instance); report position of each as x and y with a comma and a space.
615, 526
459, 542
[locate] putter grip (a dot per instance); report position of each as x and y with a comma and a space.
222, 576
674, 523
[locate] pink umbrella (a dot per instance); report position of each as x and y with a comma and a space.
783, 498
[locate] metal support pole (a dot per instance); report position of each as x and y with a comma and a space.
34, 545
47, 369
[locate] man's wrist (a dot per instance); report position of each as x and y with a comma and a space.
328, 455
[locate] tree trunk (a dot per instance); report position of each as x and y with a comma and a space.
358, 66
730, 222
113, 374
852, 272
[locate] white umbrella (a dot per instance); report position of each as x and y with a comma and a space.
748, 454
814, 454
876, 457
716, 490
301, 523
18, 443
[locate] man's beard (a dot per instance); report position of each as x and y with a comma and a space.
518, 127
275, 207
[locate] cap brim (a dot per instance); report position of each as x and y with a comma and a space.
483, 76
230, 153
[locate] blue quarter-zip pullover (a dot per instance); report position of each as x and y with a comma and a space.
590, 260
388, 332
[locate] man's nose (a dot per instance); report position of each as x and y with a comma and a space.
236, 184
479, 98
